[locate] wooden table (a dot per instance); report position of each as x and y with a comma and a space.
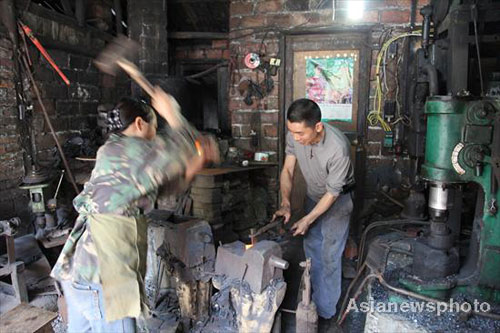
27, 319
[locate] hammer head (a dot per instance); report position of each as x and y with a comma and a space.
121, 48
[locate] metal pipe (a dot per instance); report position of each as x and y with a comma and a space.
356, 295
432, 77
351, 285
278, 262
426, 12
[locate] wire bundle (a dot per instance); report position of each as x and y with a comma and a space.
375, 116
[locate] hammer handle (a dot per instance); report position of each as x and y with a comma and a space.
267, 227
136, 75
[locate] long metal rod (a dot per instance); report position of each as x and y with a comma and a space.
356, 295
52, 131
348, 292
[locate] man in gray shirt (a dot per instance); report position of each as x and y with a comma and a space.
323, 154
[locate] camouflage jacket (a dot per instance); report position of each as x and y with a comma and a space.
124, 181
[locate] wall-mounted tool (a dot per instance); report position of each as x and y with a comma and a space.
252, 60
42, 50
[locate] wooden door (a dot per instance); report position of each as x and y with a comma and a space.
334, 70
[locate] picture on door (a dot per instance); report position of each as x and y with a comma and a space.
329, 82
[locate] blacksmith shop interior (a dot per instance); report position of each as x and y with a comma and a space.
250, 166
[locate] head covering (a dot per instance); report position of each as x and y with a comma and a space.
114, 121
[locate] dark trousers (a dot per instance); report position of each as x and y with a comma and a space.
324, 243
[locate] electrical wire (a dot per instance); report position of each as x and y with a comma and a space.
375, 116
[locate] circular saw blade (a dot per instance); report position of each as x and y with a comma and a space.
252, 60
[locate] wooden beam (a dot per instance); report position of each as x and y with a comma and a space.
67, 7
197, 35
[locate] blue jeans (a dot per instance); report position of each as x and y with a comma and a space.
85, 306
324, 243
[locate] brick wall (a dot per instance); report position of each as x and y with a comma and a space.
147, 25
201, 50
253, 21
11, 153
72, 109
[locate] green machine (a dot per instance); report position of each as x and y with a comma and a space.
462, 146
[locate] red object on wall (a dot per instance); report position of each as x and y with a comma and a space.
44, 52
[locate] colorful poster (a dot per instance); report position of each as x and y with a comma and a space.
329, 82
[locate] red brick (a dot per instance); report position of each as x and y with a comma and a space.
235, 104
5, 43
7, 140
269, 117
314, 18
270, 130
234, 22
220, 44
181, 54
370, 16
253, 21
6, 62
249, 47
236, 131
397, 3
393, 16
373, 71
213, 54
271, 46
107, 81
269, 144
243, 143
197, 54
240, 8
298, 19
59, 124
270, 103
419, 19
373, 149
376, 134
241, 117
49, 106
269, 6
6, 83
8, 111
226, 54
422, 3
245, 130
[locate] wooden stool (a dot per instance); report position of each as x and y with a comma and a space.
27, 319
15, 269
